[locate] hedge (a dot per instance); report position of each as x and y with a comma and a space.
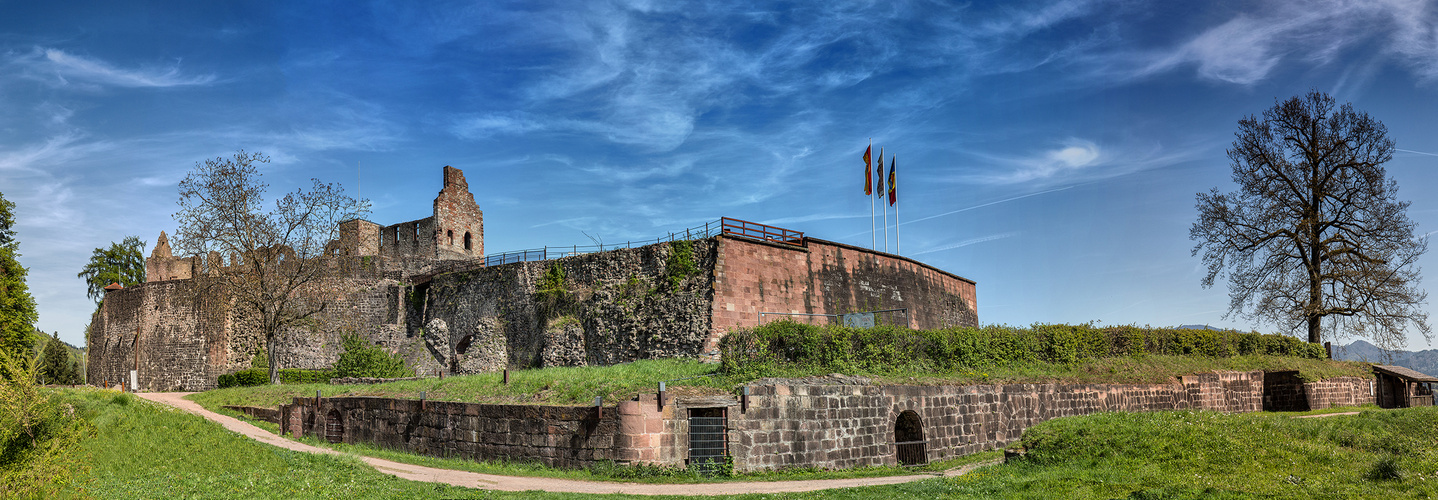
888, 348
261, 376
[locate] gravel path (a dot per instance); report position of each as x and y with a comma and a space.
520, 483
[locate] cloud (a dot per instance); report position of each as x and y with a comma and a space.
61, 69
1074, 154
964, 243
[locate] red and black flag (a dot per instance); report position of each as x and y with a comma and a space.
868, 171
879, 172
893, 182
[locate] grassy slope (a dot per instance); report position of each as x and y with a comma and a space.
580, 385
145, 451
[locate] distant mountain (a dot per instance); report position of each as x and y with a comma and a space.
1422, 361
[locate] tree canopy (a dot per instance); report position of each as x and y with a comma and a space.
17, 307
122, 263
1315, 232
275, 272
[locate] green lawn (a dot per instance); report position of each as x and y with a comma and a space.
143, 450
580, 385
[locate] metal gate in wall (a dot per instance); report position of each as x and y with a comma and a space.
707, 438
334, 427
909, 441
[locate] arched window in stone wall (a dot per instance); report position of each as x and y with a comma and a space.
416, 235
467, 244
450, 233
909, 439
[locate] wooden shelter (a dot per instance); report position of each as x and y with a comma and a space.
1400, 387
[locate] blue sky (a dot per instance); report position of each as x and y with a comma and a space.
1049, 150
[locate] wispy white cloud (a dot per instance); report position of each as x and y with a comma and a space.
970, 241
60, 68
1078, 160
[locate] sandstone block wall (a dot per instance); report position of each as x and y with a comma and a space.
156, 329
787, 423
841, 426
557, 436
1340, 391
825, 277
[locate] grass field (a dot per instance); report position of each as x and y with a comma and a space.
142, 450
580, 385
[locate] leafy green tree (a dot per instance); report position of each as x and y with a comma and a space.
363, 359
122, 263
7, 222
56, 365
17, 307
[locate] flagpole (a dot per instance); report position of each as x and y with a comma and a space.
894, 185
886, 227
869, 169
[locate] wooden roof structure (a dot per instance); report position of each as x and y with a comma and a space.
1404, 373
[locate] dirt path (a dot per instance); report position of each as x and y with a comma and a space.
520, 483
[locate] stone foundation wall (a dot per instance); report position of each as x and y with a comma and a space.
1339, 391
842, 426
557, 436
785, 423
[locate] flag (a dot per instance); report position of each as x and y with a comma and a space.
868, 174
879, 172
893, 182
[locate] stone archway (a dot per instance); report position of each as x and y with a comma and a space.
909, 441
334, 427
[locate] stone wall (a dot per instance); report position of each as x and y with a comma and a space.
1340, 391
825, 277
1285, 391
840, 426
156, 329
620, 306
828, 423
557, 436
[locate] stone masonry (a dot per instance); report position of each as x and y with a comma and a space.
785, 423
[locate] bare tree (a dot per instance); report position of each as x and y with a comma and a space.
276, 275
1315, 231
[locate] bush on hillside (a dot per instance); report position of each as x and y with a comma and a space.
39, 436
261, 376
363, 359
888, 348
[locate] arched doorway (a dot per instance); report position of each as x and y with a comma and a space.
909, 439
334, 427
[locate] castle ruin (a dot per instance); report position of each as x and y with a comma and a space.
422, 290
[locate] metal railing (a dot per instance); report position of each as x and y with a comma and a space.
724, 225
762, 231
710, 228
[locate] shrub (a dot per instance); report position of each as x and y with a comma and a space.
363, 359
39, 436
261, 376
301, 376
885, 348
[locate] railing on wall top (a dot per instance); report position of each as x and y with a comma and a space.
762, 231
724, 225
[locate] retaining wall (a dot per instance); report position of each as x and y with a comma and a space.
828, 423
